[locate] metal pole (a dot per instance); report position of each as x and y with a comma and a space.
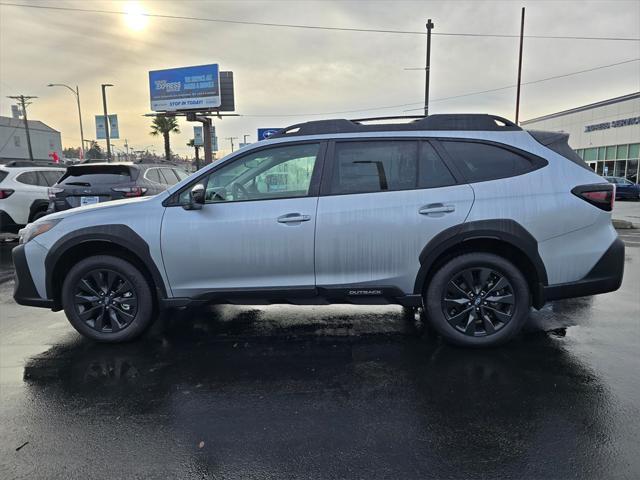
80, 119
244, 138
206, 133
520, 67
106, 120
231, 139
430, 25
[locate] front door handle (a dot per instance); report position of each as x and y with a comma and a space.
436, 208
293, 218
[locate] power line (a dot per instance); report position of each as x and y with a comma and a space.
445, 98
317, 27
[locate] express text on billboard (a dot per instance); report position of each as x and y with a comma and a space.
186, 88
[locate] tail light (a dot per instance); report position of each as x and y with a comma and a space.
601, 195
53, 191
130, 191
5, 193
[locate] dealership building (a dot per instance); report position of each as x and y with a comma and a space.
605, 134
13, 140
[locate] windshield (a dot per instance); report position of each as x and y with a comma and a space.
88, 176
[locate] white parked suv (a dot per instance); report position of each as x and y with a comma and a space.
469, 216
24, 192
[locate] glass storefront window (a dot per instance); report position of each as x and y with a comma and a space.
599, 168
634, 150
608, 168
611, 153
622, 152
590, 154
579, 152
601, 153
632, 170
620, 168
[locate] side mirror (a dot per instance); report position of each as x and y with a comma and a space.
197, 197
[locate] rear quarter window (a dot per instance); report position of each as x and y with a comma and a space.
479, 162
3, 175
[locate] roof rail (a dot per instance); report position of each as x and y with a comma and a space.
448, 121
31, 163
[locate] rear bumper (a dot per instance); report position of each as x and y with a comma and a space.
24, 292
605, 276
8, 224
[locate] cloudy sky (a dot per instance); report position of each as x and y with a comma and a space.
287, 75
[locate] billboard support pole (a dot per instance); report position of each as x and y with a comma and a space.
206, 133
106, 119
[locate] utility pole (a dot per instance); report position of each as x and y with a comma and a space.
231, 139
520, 67
23, 104
106, 119
126, 146
430, 26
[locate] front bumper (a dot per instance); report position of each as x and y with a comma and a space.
25, 292
605, 276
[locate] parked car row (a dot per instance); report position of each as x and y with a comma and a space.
31, 191
625, 189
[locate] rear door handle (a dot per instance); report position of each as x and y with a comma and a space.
436, 208
293, 218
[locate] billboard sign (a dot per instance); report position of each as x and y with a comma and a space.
214, 139
198, 139
264, 133
185, 88
101, 134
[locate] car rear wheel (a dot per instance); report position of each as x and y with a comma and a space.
107, 299
477, 300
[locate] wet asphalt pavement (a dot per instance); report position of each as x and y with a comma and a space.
324, 392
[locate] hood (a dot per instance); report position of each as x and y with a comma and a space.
98, 206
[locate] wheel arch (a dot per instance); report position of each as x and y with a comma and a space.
37, 206
116, 240
502, 237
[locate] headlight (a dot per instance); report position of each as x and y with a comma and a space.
32, 230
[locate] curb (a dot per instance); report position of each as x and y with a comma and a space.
623, 224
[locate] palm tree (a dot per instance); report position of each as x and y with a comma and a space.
164, 126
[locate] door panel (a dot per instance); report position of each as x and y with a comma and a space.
376, 238
239, 245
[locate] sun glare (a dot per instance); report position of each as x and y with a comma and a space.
135, 17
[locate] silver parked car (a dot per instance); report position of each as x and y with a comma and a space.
469, 216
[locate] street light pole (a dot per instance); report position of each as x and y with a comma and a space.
106, 119
76, 92
244, 138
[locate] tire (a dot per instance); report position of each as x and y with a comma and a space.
38, 215
471, 318
86, 292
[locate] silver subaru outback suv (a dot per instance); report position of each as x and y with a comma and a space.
468, 216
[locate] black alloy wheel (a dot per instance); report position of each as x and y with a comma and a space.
108, 299
478, 301
105, 300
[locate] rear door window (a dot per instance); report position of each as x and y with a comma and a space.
52, 176
432, 170
93, 176
480, 162
169, 175
3, 175
374, 166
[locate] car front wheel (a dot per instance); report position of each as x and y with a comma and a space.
477, 300
107, 299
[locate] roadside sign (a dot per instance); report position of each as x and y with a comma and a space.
185, 88
15, 111
264, 133
198, 139
101, 134
214, 139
